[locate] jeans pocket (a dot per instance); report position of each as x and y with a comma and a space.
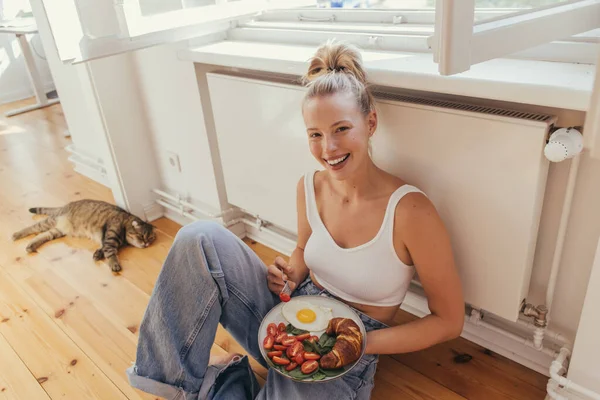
363, 372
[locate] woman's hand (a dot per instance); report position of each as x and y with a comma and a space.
279, 272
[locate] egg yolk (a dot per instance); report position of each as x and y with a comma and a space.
306, 315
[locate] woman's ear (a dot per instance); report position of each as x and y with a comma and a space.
372, 122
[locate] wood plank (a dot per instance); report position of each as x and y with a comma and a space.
16, 381
473, 371
394, 379
110, 346
62, 369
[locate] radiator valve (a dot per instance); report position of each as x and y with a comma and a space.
539, 314
564, 143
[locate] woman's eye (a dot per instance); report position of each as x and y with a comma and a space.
341, 129
315, 135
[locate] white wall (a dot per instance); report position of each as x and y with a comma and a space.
584, 368
177, 125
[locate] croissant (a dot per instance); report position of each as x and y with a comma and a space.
348, 345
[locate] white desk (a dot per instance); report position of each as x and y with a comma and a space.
20, 28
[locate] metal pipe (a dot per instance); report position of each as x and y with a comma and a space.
562, 231
476, 319
192, 206
552, 335
551, 390
557, 368
177, 210
256, 225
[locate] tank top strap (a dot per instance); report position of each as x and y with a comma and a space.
390, 212
312, 213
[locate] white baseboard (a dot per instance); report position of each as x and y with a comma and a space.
175, 217
23, 93
92, 174
153, 212
269, 239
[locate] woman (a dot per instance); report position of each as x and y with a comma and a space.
361, 234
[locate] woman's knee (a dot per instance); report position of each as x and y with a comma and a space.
192, 234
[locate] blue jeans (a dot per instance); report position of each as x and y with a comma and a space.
209, 277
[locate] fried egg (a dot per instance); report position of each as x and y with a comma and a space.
303, 315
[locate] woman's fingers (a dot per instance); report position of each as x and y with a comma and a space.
283, 265
275, 278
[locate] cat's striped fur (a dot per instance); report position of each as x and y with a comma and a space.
107, 224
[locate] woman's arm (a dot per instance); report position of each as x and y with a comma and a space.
421, 231
295, 269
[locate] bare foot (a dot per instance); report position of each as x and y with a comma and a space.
222, 359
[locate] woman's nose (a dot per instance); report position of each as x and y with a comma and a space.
329, 145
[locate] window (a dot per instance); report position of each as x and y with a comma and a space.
459, 33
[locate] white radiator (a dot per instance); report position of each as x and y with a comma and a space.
483, 169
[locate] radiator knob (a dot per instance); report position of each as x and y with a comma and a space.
563, 144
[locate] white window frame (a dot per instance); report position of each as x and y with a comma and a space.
459, 43
84, 30
89, 29
398, 31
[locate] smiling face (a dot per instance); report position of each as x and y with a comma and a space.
338, 133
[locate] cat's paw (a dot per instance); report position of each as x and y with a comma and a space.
98, 255
115, 267
31, 249
15, 236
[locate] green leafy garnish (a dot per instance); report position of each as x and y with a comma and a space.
317, 376
326, 342
309, 347
294, 331
298, 374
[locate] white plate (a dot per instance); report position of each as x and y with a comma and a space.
338, 309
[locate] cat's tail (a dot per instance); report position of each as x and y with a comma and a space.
45, 210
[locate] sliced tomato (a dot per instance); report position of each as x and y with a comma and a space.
303, 336
295, 349
291, 366
281, 361
299, 358
280, 336
268, 342
309, 366
281, 327
288, 340
311, 356
280, 347
272, 329
277, 353
284, 297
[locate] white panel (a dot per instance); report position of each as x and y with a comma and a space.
486, 174
263, 145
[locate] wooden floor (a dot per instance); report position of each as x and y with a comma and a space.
68, 326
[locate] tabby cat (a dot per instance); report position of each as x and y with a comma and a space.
107, 224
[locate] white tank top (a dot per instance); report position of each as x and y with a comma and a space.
371, 273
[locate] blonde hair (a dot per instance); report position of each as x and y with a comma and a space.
337, 67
